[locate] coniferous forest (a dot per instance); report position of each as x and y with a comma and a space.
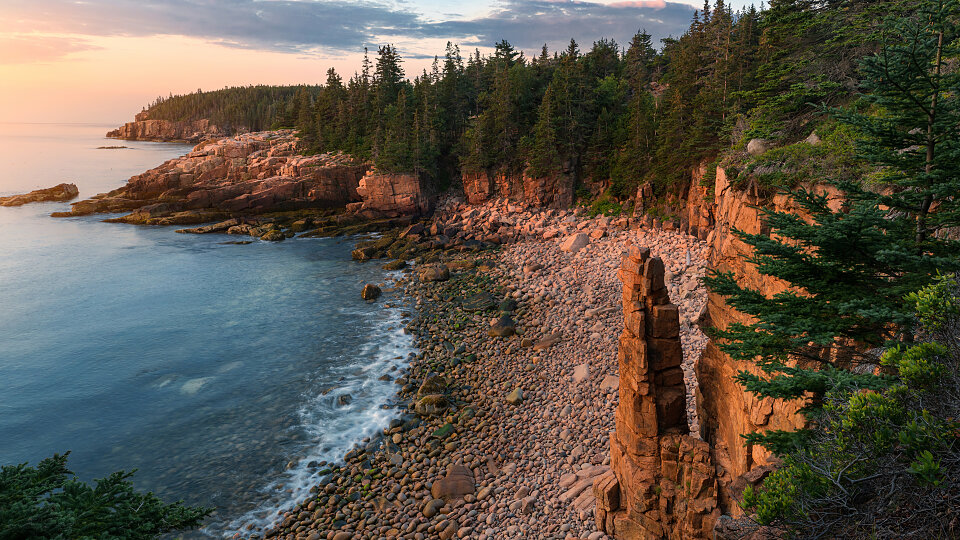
617, 114
245, 108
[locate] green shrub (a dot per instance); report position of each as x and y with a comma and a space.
786, 167
882, 464
606, 205
44, 502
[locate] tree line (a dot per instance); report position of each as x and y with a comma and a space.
615, 114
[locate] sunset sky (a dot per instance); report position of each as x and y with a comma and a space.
103, 60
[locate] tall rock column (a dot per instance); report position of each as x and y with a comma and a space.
662, 482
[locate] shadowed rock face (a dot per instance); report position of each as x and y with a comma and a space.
553, 191
58, 193
252, 173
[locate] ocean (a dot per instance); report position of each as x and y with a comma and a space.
213, 369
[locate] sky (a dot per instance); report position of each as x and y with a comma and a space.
102, 61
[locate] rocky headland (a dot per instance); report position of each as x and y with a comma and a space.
249, 180
58, 193
145, 129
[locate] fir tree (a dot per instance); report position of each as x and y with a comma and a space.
849, 270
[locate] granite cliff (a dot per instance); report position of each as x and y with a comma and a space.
664, 483
145, 129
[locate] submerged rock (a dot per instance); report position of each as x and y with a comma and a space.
273, 236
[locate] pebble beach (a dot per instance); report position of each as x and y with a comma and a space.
507, 408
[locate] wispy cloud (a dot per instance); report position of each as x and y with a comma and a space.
28, 49
334, 26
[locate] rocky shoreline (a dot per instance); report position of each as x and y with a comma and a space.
509, 404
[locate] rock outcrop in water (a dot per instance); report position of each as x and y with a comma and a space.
254, 173
58, 193
145, 129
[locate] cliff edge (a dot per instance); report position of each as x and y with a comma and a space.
145, 129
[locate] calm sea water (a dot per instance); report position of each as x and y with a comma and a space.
199, 363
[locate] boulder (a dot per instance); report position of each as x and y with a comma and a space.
503, 327
431, 507
508, 304
434, 272
758, 146
370, 292
480, 302
575, 243
515, 397
580, 373
548, 341
455, 485
433, 384
431, 405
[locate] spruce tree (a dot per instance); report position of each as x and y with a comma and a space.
47, 501
850, 268
912, 97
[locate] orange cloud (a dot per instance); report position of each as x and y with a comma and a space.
28, 49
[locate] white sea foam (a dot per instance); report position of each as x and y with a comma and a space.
193, 385
385, 352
